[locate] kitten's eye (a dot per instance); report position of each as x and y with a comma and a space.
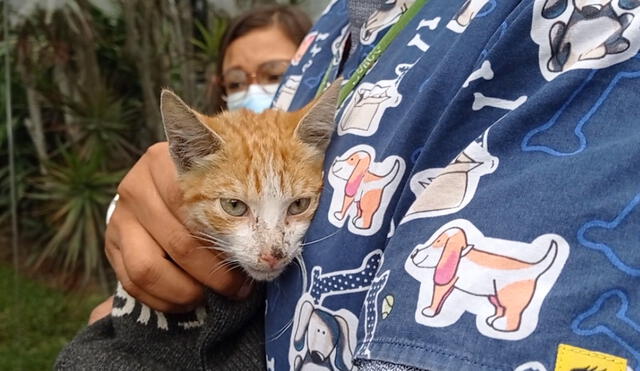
233, 207
299, 206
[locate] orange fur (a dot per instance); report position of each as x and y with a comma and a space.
251, 182
254, 143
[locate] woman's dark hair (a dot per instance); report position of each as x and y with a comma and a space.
293, 22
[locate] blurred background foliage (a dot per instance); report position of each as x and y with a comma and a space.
85, 83
85, 77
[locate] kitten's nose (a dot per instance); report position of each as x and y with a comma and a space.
269, 259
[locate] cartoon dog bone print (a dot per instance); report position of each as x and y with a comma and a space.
432, 24
452, 256
484, 72
326, 337
271, 363
364, 188
613, 253
418, 43
480, 101
568, 45
608, 317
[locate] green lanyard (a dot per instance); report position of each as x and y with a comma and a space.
377, 51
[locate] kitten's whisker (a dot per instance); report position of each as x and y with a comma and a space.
281, 331
228, 264
212, 239
205, 235
320, 239
217, 248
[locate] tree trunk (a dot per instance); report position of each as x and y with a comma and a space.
35, 127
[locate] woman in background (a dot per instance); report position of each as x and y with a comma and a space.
255, 53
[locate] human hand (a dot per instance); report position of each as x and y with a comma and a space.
101, 311
153, 254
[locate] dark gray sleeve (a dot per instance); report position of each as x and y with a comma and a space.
223, 335
370, 365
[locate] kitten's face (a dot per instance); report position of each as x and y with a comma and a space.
251, 182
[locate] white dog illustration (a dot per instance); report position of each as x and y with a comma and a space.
593, 31
326, 338
443, 191
364, 189
592, 34
474, 267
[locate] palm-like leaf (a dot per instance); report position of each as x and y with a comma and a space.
75, 195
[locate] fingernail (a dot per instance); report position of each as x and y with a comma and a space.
245, 290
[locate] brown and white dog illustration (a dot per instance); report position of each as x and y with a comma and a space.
443, 191
361, 188
507, 274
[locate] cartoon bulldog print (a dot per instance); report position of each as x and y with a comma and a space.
584, 33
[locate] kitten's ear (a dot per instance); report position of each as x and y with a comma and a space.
189, 139
317, 125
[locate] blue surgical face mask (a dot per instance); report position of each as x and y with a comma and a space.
257, 98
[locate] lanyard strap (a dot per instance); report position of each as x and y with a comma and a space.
377, 51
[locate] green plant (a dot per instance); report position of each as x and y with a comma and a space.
209, 39
75, 195
104, 126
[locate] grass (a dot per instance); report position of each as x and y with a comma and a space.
37, 322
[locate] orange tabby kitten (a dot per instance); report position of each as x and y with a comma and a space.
251, 182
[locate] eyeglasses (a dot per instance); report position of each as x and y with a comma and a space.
268, 73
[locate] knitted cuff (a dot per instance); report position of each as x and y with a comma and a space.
220, 335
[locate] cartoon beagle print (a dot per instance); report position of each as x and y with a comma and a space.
502, 282
584, 33
467, 12
363, 112
443, 191
362, 188
385, 16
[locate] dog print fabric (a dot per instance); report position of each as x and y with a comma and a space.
362, 189
323, 338
481, 191
584, 33
451, 188
503, 282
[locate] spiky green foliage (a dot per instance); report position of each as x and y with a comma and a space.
74, 195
